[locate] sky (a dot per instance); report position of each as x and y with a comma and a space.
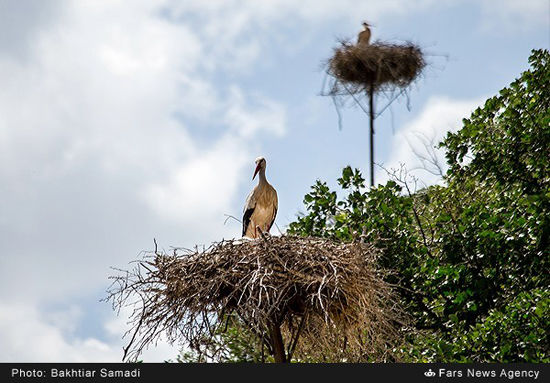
124, 121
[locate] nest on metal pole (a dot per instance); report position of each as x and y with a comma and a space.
380, 66
364, 69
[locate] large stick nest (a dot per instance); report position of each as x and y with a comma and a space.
383, 66
328, 294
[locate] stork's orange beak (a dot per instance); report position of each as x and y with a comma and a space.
257, 169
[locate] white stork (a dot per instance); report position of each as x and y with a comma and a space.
363, 39
261, 204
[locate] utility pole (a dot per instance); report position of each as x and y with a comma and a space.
371, 118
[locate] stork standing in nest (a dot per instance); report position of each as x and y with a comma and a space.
261, 205
363, 39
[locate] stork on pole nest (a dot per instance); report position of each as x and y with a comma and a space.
367, 69
302, 298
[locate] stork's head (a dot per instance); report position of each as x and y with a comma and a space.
366, 25
260, 164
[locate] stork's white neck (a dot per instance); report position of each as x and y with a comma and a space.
262, 179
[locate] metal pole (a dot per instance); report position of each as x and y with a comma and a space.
371, 117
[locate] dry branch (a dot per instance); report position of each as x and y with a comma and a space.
328, 298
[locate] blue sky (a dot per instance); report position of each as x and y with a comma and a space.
124, 121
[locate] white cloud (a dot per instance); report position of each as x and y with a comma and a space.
247, 120
418, 139
29, 335
196, 192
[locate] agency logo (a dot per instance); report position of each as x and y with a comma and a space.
429, 373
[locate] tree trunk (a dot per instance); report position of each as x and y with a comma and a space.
278, 345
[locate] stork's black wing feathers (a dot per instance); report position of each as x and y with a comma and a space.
246, 219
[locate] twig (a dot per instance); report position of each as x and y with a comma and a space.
230, 216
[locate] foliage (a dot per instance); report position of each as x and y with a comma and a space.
508, 139
471, 258
517, 332
233, 344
